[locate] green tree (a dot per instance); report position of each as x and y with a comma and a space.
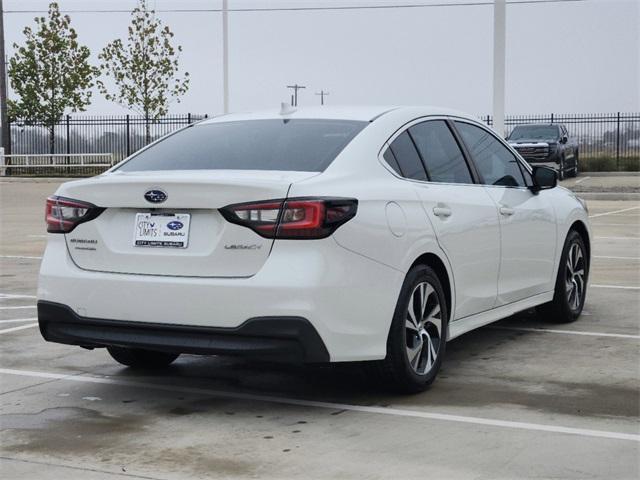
145, 70
50, 73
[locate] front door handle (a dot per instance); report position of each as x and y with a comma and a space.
506, 211
442, 212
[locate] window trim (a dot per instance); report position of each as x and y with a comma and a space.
519, 160
475, 177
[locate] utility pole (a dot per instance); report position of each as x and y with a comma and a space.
225, 56
499, 40
6, 134
322, 94
295, 88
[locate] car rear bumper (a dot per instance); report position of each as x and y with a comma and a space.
348, 299
286, 338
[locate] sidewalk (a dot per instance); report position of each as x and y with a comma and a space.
603, 186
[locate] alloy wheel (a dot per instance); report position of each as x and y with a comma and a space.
423, 325
575, 276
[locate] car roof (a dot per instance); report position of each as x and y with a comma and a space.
344, 112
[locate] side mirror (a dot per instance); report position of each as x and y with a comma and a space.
564, 139
543, 179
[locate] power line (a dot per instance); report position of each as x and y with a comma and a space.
322, 94
294, 97
309, 9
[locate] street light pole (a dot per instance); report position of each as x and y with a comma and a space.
5, 140
499, 40
225, 55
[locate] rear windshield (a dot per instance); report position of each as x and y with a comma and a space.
287, 145
535, 132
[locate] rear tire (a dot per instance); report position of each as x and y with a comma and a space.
139, 358
418, 335
571, 283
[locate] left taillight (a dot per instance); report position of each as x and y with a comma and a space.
64, 214
294, 218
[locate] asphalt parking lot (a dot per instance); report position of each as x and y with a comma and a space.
519, 399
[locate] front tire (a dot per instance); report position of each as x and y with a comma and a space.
139, 358
571, 283
561, 169
574, 170
418, 335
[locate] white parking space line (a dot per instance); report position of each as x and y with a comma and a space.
16, 320
616, 258
581, 180
21, 307
21, 257
567, 332
9, 296
613, 212
15, 329
613, 224
583, 432
617, 238
622, 287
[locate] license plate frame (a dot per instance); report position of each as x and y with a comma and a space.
161, 230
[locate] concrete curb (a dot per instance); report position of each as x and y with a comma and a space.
609, 174
609, 195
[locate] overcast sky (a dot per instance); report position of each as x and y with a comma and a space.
568, 57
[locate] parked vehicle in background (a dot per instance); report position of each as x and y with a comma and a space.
316, 235
549, 145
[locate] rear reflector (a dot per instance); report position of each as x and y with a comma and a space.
294, 218
64, 214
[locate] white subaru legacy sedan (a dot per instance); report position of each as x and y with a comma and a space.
312, 235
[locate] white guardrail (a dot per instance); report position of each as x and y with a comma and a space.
55, 161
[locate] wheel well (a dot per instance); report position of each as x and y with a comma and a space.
579, 227
437, 265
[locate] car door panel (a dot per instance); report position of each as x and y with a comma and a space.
463, 216
528, 233
527, 220
465, 220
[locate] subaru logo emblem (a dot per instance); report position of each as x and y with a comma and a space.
155, 196
175, 225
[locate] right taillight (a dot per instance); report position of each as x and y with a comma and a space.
64, 214
295, 218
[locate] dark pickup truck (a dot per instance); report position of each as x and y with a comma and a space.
549, 145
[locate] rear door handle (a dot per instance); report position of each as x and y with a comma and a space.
442, 212
506, 211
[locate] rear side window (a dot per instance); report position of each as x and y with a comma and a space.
443, 158
391, 160
407, 157
496, 164
286, 145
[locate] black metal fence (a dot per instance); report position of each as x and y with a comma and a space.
606, 141
120, 135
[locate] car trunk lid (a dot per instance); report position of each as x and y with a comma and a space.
192, 237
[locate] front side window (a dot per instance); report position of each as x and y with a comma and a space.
495, 163
442, 157
407, 157
285, 145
